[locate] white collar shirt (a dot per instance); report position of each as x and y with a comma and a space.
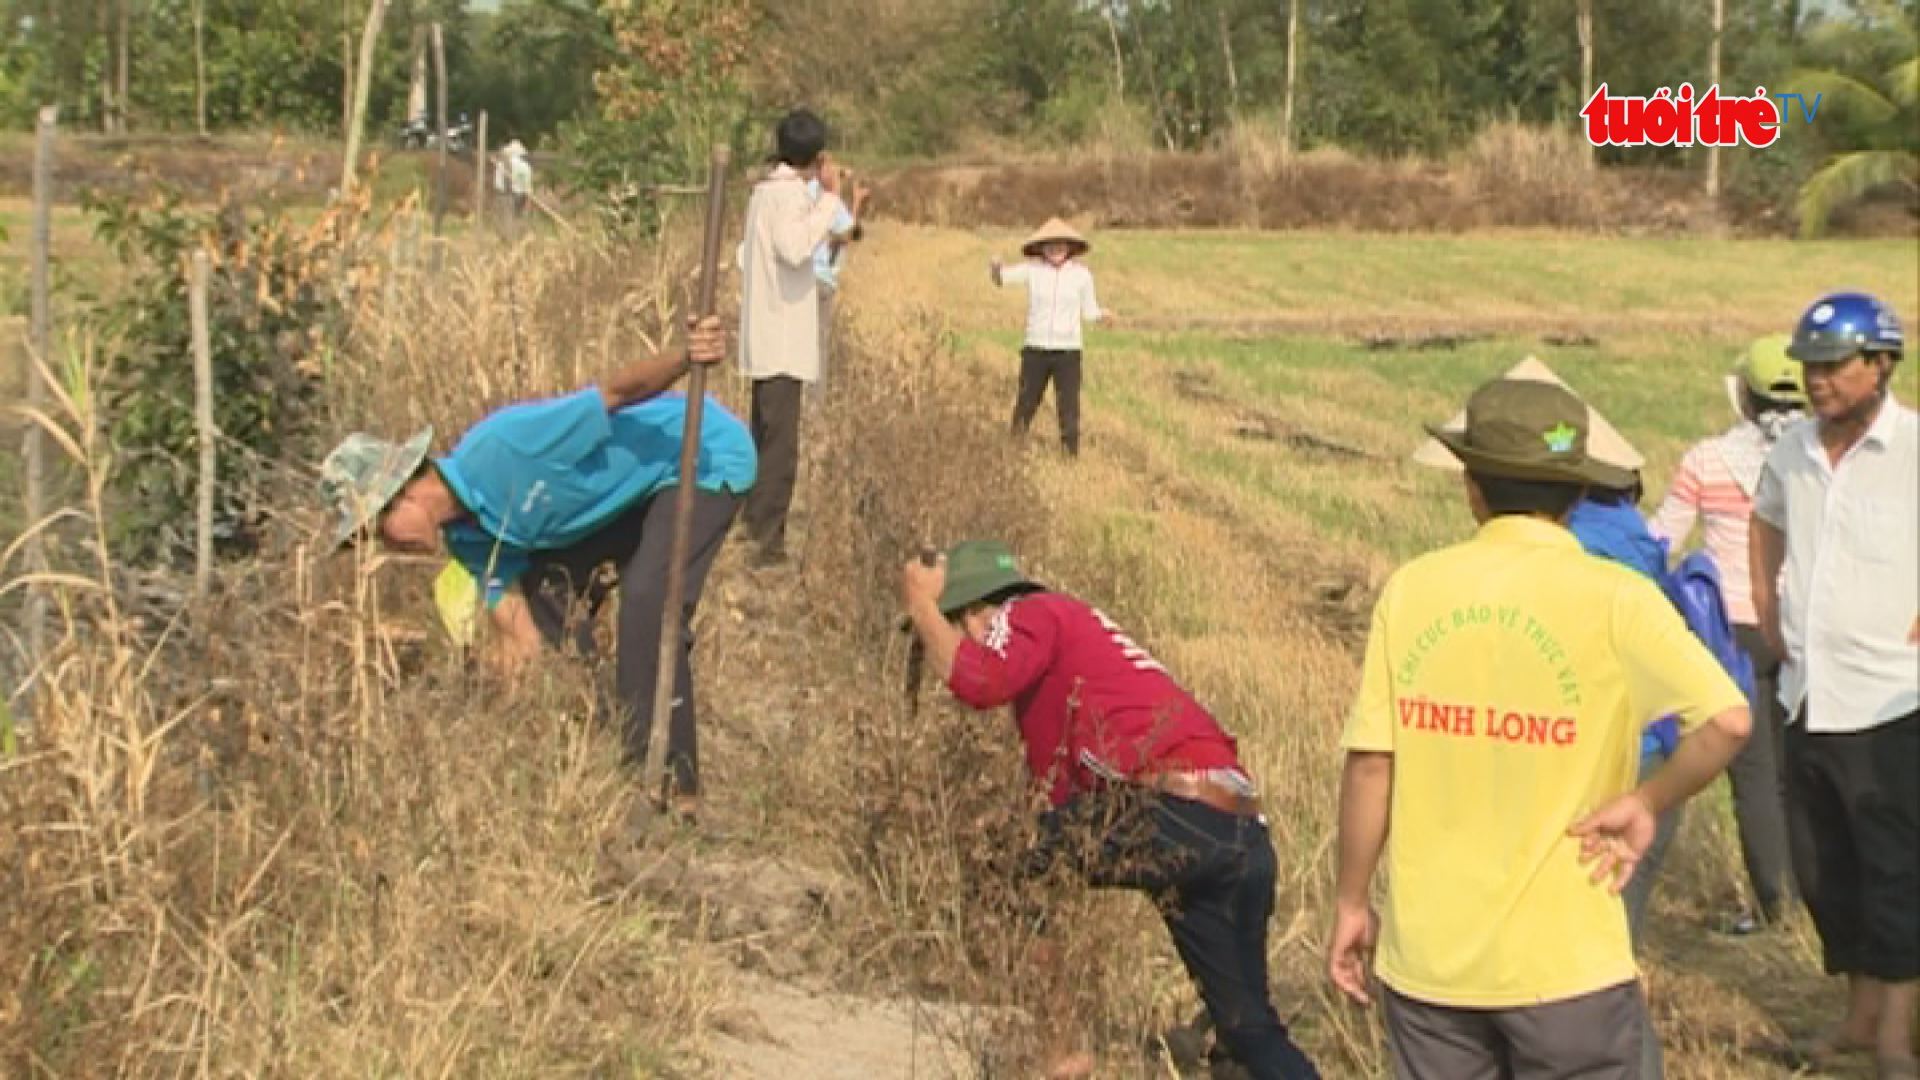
1058, 299
779, 293
1850, 585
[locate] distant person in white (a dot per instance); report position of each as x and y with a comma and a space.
1838, 509
1059, 297
513, 176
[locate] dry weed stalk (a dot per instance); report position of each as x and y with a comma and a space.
290, 834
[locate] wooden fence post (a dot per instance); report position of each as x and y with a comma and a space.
363, 80
440, 118
480, 171
39, 352
203, 421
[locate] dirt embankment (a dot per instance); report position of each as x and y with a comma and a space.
204, 169
1506, 179
200, 167
1312, 191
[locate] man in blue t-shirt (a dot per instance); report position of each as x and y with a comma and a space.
537, 497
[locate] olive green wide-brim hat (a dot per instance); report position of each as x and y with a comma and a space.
363, 474
977, 569
1055, 231
1520, 429
1615, 458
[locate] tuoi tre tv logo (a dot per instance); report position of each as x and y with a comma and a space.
1679, 118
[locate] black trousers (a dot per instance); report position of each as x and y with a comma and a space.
566, 588
1854, 816
1062, 368
1759, 778
1211, 875
776, 438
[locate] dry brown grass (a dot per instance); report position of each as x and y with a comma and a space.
289, 832
925, 810
292, 833
1510, 177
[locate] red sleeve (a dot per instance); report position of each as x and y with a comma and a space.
1020, 644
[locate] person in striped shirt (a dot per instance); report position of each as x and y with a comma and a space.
1714, 487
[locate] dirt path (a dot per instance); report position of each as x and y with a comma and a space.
760, 903
778, 1031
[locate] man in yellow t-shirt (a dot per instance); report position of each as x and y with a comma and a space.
1495, 739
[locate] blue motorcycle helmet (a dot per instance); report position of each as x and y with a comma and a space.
1839, 325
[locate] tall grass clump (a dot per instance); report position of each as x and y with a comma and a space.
1544, 174
289, 830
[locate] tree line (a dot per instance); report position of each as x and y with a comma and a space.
612, 82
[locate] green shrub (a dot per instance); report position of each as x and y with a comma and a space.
276, 314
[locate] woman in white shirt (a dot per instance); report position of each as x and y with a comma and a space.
1059, 297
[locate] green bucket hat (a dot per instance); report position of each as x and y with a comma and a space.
1525, 430
363, 474
976, 569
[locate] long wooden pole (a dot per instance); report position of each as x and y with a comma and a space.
670, 640
203, 422
362, 86
40, 352
480, 170
440, 119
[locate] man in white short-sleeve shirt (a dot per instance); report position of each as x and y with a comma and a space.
1836, 583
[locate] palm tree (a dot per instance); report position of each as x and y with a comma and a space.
1878, 121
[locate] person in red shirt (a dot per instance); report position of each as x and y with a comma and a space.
1146, 791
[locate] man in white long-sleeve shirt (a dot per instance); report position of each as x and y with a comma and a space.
780, 314
1059, 296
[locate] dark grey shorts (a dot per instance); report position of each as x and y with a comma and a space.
1597, 1036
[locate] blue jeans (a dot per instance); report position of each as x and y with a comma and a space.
1211, 875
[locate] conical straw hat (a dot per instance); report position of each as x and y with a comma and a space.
1605, 444
1055, 230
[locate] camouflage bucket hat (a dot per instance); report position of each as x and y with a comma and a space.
1524, 430
363, 474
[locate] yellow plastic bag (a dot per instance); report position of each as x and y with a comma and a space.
458, 597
